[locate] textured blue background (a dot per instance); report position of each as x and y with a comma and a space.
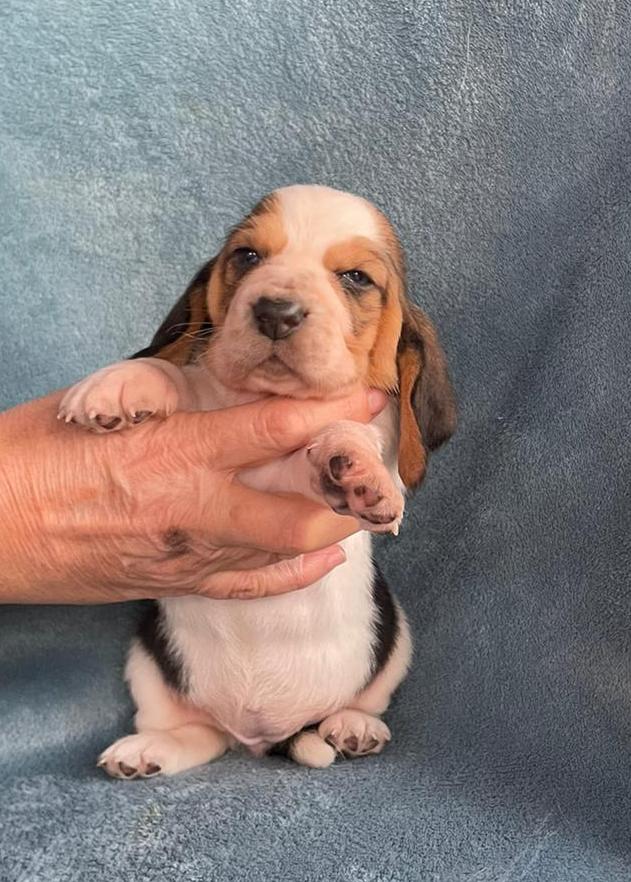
496, 135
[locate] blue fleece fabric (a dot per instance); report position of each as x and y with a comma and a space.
496, 135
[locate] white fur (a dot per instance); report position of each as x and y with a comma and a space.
315, 218
278, 664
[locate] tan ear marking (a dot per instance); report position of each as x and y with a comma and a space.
180, 351
187, 325
412, 454
427, 405
382, 366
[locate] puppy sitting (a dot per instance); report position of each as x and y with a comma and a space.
305, 299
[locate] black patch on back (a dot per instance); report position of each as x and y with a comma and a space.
152, 636
386, 622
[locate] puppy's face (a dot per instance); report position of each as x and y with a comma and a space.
307, 298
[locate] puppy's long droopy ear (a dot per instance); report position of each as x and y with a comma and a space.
188, 324
426, 398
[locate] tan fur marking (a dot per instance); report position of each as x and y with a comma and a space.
412, 454
178, 352
263, 232
382, 366
357, 253
376, 314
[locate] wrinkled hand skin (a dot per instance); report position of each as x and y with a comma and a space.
158, 511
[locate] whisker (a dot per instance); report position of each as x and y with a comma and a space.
179, 325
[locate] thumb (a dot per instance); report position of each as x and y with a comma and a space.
250, 434
277, 578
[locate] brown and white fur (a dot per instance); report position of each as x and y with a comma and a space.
306, 299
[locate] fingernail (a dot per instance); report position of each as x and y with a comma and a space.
334, 555
376, 400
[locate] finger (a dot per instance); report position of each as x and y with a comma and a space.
255, 433
276, 578
289, 524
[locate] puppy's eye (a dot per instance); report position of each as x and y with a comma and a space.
355, 278
245, 258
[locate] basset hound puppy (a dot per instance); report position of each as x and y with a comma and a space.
306, 298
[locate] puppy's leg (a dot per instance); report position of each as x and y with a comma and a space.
172, 735
344, 465
356, 730
308, 748
127, 393
375, 697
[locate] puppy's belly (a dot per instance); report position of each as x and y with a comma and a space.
259, 719
264, 669
263, 693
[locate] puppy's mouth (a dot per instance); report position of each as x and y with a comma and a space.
303, 363
275, 366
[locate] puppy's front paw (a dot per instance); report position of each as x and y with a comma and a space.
118, 396
349, 473
354, 733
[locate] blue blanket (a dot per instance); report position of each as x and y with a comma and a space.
497, 137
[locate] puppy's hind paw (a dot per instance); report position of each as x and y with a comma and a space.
354, 733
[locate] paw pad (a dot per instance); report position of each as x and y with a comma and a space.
358, 484
107, 422
354, 733
339, 465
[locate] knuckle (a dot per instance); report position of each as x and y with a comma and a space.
292, 571
279, 424
249, 586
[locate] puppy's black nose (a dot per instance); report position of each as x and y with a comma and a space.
277, 318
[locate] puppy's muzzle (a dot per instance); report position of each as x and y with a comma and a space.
277, 318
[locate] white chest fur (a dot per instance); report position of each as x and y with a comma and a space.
265, 668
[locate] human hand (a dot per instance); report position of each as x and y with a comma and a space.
158, 511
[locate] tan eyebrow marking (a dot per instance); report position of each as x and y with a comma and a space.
362, 254
262, 231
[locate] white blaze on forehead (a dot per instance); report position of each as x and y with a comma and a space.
314, 218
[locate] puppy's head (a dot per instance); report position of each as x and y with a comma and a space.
307, 298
